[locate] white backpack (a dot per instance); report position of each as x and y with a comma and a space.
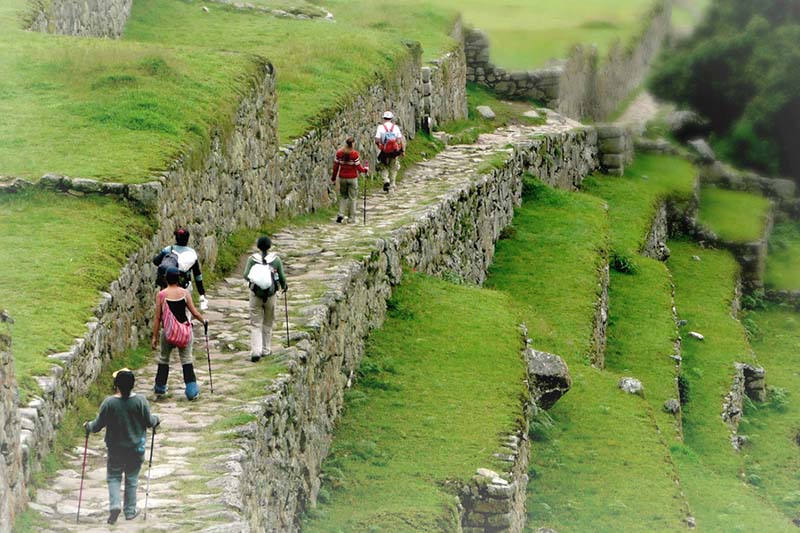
262, 273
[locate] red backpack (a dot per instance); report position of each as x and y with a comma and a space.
176, 333
389, 140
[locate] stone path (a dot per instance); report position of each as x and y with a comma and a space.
643, 109
195, 462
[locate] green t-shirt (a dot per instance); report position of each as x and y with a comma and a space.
126, 421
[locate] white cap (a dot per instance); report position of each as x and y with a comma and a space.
388, 115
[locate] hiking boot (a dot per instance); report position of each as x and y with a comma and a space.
386, 187
132, 516
113, 515
192, 390
266, 353
339, 219
160, 390
255, 358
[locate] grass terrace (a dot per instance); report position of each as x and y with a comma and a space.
549, 267
783, 265
733, 215
710, 470
771, 460
433, 399
523, 37
634, 197
74, 248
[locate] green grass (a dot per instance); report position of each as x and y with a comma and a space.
525, 34
580, 475
710, 469
783, 262
634, 197
58, 251
772, 462
733, 215
466, 131
433, 400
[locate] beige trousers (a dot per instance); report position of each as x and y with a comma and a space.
262, 316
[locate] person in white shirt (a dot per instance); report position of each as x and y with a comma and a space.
389, 140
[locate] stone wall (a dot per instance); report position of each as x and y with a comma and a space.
615, 148
12, 482
782, 191
748, 382
86, 18
240, 179
293, 431
584, 86
655, 246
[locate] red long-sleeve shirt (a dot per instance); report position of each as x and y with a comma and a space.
347, 165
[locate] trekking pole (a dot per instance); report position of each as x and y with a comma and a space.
286, 309
365, 192
208, 354
149, 468
83, 472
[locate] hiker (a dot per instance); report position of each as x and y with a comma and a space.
389, 140
263, 272
347, 166
126, 417
181, 256
172, 303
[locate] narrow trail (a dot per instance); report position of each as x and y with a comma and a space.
194, 479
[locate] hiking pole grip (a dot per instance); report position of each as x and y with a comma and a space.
205, 327
83, 472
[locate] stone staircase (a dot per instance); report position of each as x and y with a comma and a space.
196, 460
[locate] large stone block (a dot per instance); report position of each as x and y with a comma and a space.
548, 377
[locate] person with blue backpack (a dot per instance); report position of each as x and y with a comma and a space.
389, 140
264, 273
183, 257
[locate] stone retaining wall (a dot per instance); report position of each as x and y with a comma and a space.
748, 381
87, 18
12, 483
584, 86
293, 431
239, 180
655, 246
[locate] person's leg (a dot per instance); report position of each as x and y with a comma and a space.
352, 196
187, 361
383, 169
114, 468
133, 465
394, 167
256, 326
342, 200
269, 319
163, 366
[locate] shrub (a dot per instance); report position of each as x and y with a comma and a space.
623, 263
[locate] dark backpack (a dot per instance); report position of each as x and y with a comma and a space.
170, 260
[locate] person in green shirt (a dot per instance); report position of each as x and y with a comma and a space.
261, 272
126, 417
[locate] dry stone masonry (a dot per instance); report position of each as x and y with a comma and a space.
86, 18
12, 484
582, 86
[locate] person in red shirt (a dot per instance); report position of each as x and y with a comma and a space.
347, 166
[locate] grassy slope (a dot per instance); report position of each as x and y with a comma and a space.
633, 198
57, 252
771, 459
734, 216
105, 109
708, 466
580, 475
783, 266
433, 399
527, 34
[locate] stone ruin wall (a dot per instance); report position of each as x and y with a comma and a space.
241, 179
80, 18
12, 485
584, 86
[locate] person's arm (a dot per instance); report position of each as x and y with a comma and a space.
190, 305
159, 257
151, 419
336, 167
281, 277
98, 423
156, 323
250, 263
198, 278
